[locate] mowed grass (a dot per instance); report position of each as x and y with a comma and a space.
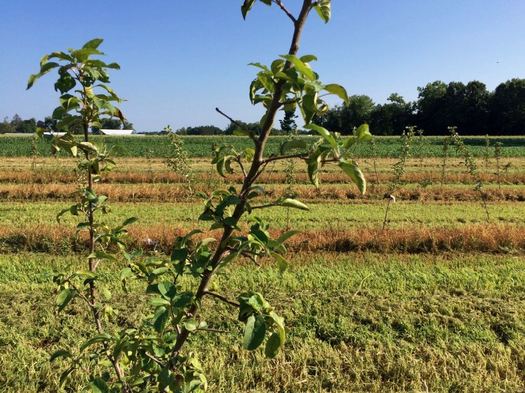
355, 322
322, 215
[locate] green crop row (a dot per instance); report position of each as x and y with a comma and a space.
201, 146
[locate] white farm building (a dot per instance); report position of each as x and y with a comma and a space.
116, 132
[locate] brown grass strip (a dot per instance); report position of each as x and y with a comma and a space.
178, 193
162, 176
493, 238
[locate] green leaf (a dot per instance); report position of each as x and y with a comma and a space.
66, 373
101, 255
251, 303
286, 235
83, 55
254, 332
93, 44
64, 297
61, 353
324, 133
179, 254
94, 340
98, 385
272, 346
259, 65
308, 106
129, 221
300, 66
290, 202
277, 66
246, 7
65, 83
362, 133
308, 58
277, 339
353, 170
324, 9
282, 263
191, 325
44, 69
126, 273
88, 147
158, 301
338, 90
160, 318
313, 169
164, 379
166, 289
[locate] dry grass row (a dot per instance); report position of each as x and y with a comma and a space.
149, 177
177, 193
488, 238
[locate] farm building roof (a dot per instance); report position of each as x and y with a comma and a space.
116, 132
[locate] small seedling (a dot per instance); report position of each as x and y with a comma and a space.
471, 166
399, 169
497, 154
178, 160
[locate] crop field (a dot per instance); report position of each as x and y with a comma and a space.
422, 294
200, 146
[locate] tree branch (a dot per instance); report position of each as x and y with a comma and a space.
158, 361
239, 161
265, 206
230, 118
222, 298
211, 330
302, 156
285, 10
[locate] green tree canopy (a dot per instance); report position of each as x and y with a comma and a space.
507, 107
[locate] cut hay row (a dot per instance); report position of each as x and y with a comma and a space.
162, 176
484, 238
177, 193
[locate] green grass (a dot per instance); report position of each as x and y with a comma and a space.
201, 146
355, 323
321, 215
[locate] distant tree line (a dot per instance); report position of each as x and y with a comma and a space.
18, 125
470, 107
229, 130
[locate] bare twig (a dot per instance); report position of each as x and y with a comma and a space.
230, 118
211, 330
285, 157
158, 361
361, 286
239, 161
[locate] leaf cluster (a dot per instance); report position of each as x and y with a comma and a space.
83, 84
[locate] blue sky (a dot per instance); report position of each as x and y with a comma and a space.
181, 59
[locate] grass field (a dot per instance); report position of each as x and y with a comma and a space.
357, 323
432, 303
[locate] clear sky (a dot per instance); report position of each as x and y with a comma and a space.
181, 59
